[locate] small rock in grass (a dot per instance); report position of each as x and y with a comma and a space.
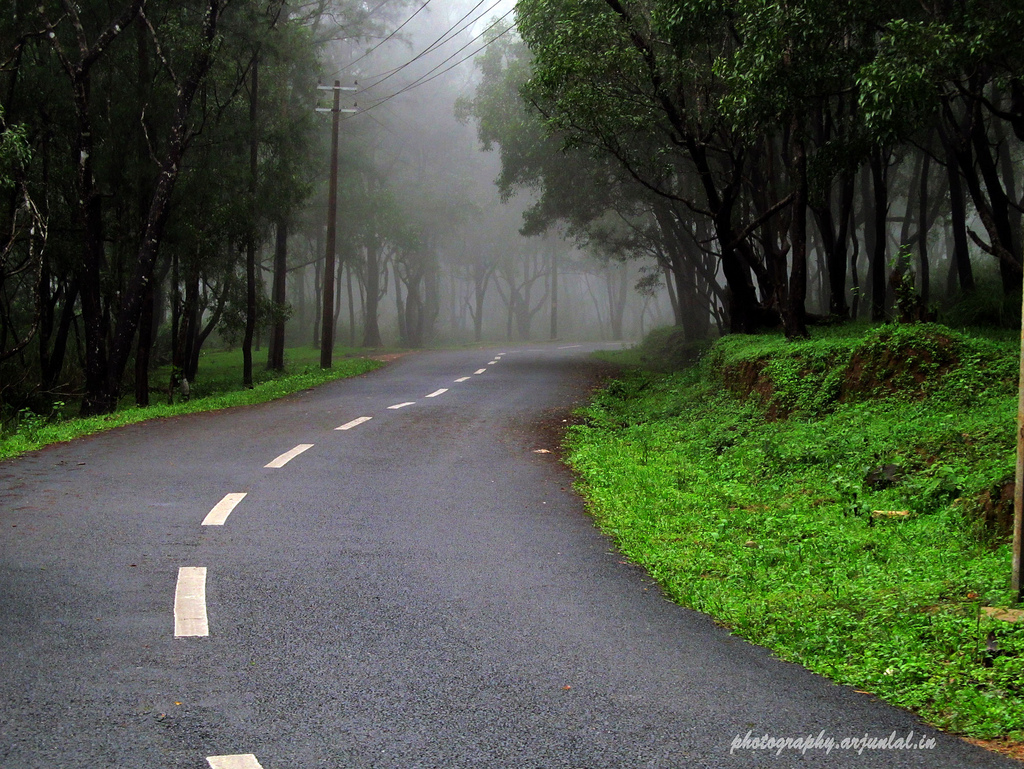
883, 476
1006, 615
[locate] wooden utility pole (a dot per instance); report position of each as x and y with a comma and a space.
327, 316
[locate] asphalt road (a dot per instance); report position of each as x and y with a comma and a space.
421, 590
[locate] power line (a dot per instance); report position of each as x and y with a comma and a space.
423, 80
451, 31
394, 32
420, 80
334, 17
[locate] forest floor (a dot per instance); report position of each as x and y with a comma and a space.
845, 501
217, 386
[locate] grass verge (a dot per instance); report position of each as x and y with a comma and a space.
834, 500
218, 388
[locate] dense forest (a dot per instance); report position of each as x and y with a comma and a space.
785, 163
726, 167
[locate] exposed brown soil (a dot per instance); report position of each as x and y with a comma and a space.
749, 378
872, 371
889, 370
1011, 748
996, 505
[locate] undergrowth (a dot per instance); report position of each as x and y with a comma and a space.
760, 507
32, 431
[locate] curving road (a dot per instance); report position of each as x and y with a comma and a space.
421, 589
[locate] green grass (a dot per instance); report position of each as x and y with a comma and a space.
218, 386
767, 525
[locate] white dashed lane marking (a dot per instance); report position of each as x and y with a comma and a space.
479, 371
462, 379
402, 405
241, 761
491, 363
353, 423
288, 456
434, 394
190, 602
222, 509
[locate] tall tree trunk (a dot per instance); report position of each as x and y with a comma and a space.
318, 270
481, 277
431, 299
339, 287
673, 294
98, 399
172, 383
554, 294
351, 302
55, 359
794, 314
618, 289
878, 246
854, 270
924, 224
190, 322
144, 344
511, 313
250, 246
414, 312
275, 356
961, 257
371, 327
202, 334
1001, 228
156, 220
837, 260
403, 330
143, 348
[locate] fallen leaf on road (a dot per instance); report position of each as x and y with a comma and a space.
541, 451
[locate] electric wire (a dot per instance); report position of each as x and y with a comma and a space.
453, 30
423, 79
394, 32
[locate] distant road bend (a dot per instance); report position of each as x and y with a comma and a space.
380, 573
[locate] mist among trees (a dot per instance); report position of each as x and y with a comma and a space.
544, 169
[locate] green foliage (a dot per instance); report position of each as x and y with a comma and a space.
218, 389
814, 377
14, 152
666, 348
988, 305
768, 523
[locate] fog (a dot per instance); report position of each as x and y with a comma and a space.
427, 250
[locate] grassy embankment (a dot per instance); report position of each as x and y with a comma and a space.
218, 386
841, 501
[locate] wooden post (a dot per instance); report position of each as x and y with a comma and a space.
327, 319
